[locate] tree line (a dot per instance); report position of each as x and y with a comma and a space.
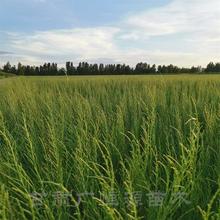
84, 68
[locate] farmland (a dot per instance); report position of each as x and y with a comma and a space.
5, 75
114, 147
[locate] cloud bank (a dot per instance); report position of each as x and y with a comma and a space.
183, 32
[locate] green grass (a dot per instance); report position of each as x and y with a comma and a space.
125, 138
5, 75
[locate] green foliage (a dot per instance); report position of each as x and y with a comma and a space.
110, 136
84, 68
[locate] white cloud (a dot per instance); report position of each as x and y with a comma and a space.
80, 43
180, 16
193, 25
156, 56
85, 40
196, 21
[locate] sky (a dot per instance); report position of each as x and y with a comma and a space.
181, 32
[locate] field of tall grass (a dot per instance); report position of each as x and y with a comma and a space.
5, 75
110, 148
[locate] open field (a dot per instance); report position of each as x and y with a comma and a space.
5, 75
137, 147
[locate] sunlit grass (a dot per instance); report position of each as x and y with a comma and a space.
120, 139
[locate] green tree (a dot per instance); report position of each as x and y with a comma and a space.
7, 67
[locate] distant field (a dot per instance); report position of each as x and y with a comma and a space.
125, 147
5, 75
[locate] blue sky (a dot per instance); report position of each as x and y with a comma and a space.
182, 32
31, 15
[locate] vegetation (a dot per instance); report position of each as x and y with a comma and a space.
84, 68
5, 75
110, 148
